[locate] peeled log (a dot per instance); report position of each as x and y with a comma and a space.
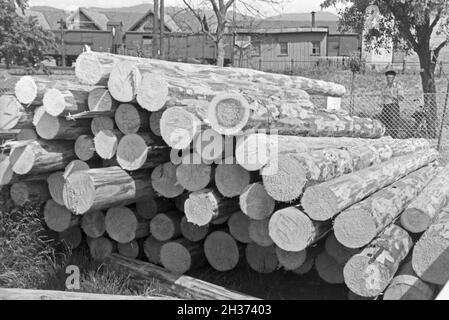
291, 260
324, 201
100, 248
358, 225
63, 102
166, 226
431, 253
137, 151
259, 233
423, 210
287, 175
193, 174
130, 119
100, 99
31, 157
261, 259
93, 224
193, 232
207, 205
150, 207
97, 189
238, 224
152, 250
101, 123
182, 255
329, 269
56, 183
293, 230
55, 128
222, 251
84, 147
106, 143
164, 182
370, 272
129, 249
406, 285
13, 115
121, 224
231, 179
71, 237
29, 192
336, 250
230, 115
255, 202
58, 218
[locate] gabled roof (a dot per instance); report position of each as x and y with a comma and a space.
168, 21
98, 19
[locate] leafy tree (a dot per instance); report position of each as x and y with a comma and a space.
21, 38
410, 25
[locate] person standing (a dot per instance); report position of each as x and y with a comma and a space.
392, 94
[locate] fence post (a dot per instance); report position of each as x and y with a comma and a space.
443, 118
404, 66
260, 64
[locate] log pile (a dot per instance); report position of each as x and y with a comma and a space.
176, 164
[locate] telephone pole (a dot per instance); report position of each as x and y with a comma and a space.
155, 41
62, 25
162, 28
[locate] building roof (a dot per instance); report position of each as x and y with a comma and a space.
283, 30
168, 21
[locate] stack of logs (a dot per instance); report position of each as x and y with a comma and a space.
188, 165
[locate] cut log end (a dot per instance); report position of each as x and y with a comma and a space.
228, 113
355, 228
84, 147
155, 122
192, 174
79, 192
164, 182
365, 278
25, 90
166, 226
328, 269
319, 210
57, 217
415, 221
256, 203
105, 144
6, 171
93, 224
152, 249
128, 119
152, 93
175, 257
258, 232
121, 224
192, 232
238, 225
72, 237
408, 287
54, 102
222, 251
29, 192
231, 179
100, 99
10, 112
431, 259
47, 126
100, 248
101, 123
89, 69
56, 183
129, 249
284, 179
22, 159
179, 127
132, 152
252, 151
261, 259
291, 260
122, 82
291, 230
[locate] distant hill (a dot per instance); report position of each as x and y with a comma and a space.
305, 16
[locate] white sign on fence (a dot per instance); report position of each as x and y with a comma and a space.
333, 103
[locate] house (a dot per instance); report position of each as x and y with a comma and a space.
282, 44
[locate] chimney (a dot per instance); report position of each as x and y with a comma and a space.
313, 19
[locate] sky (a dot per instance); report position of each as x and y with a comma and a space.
288, 6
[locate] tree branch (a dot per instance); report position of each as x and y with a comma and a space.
440, 47
200, 20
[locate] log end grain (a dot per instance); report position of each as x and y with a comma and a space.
415, 221
152, 93
355, 228
222, 251
101, 123
291, 229
231, 179
192, 232
228, 113
152, 249
54, 102
72, 237
105, 144
319, 203
328, 269
56, 183
25, 90
132, 152
121, 224
261, 259
129, 249
22, 158
29, 192
252, 151
93, 224
57, 217
258, 232
155, 122
431, 259
179, 127
238, 224
166, 226
89, 69
128, 118
79, 192
164, 182
256, 203
193, 174
123, 83
408, 287
100, 99
85, 147
291, 260
100, 248
175, 257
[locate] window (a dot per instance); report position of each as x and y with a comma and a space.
255, 47
284, 48
316, 48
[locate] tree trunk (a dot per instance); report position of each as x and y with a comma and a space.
220, 50
324, 201
429, 90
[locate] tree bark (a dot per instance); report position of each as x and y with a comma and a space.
370, 272
358, 225
324, 201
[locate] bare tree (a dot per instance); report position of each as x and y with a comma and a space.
221, 9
